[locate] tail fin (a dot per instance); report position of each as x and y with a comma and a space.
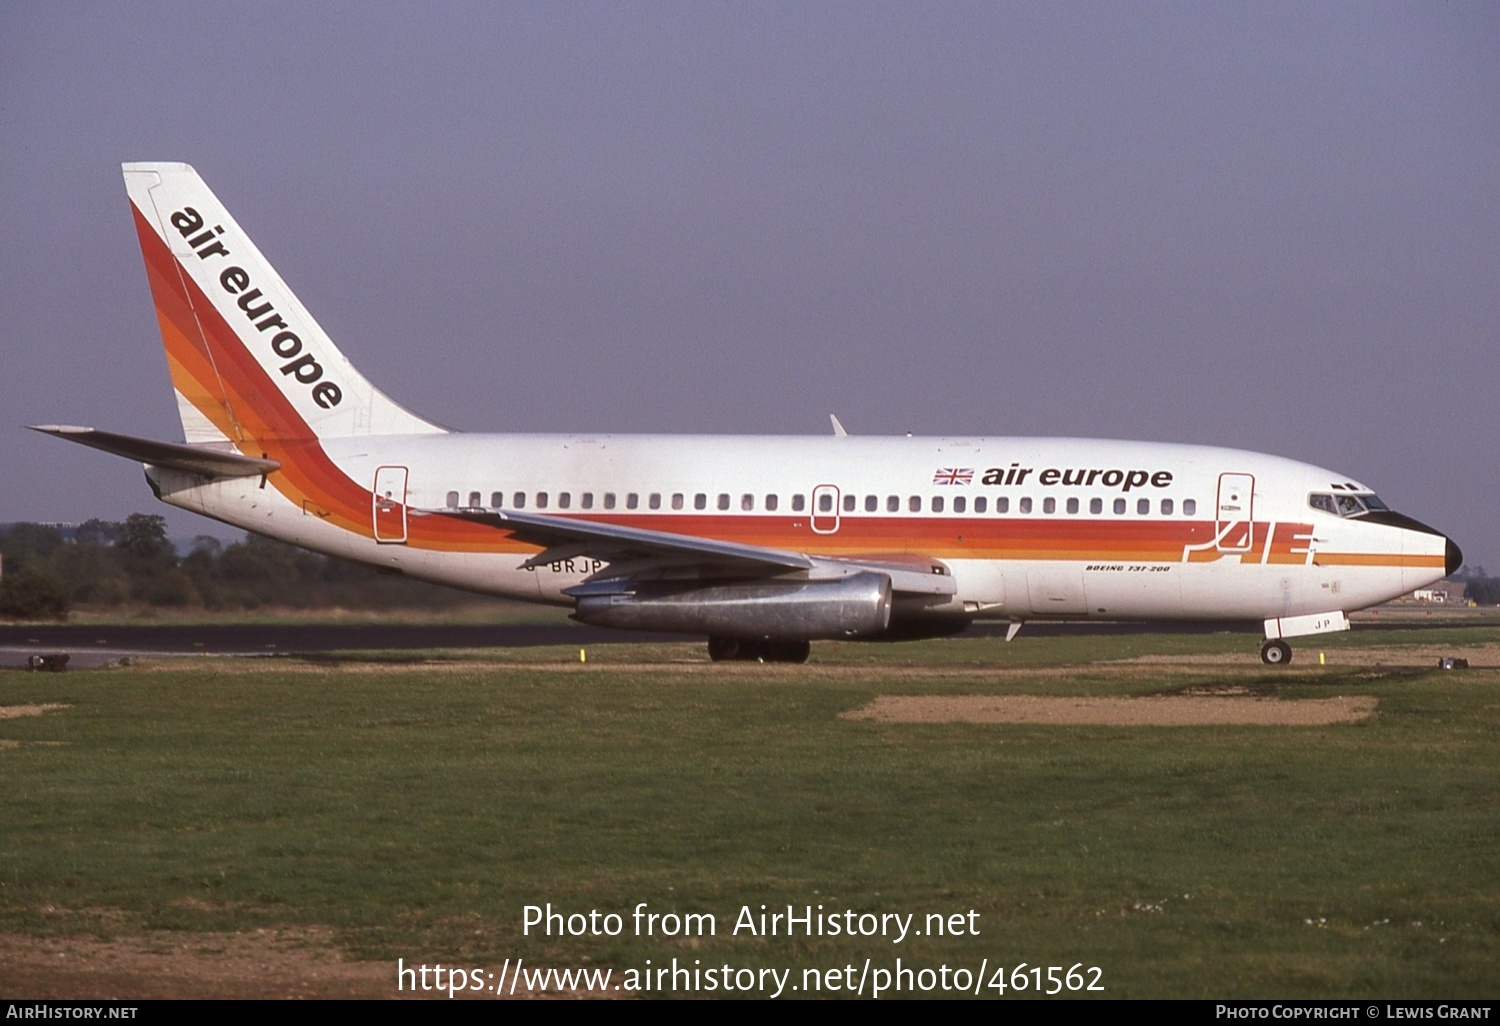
248, 361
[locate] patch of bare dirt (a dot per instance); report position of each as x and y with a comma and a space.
279, 963
1198, 710
11, 712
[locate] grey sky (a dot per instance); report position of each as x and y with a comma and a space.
1271, 226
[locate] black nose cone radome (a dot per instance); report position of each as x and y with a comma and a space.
1454, 557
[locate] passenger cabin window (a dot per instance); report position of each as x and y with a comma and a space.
937, 503
1072, 505
541, 500
747, 502
519, 500
1026, 505
586, 500
960, 503
1096, 505
453, 500
1119, 507
1166, 507
474, 499
1002, 504
872, 503
825, 503
893, 504
1189, 507
799, 502
609, 500
497, 499
1049, 505
654, 501
772, 502
678, 500
914, 504
700, 501
980, 504
632, 500
1143, 506
564, 500
723, 500
849, 504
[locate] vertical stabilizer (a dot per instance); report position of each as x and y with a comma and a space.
248, 361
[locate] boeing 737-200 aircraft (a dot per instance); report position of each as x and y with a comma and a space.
761, 543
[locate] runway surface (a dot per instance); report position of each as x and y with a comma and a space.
100, 645
94, 646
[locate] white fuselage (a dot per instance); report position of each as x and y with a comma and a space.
1029, 527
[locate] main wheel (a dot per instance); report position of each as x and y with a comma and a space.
788, 651
1276, 653
723, 649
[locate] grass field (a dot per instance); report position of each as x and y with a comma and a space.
391, 810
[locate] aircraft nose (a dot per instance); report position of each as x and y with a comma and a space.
1454, 557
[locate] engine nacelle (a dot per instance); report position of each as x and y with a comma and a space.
848, 607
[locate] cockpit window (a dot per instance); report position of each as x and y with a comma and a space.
1345, 505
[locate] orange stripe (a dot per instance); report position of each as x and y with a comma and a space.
1375, 559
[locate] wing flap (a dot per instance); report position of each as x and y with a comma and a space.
634, 552
561, 537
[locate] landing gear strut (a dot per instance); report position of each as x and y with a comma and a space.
759, 650
1276, 652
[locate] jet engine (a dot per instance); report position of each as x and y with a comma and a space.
847, 607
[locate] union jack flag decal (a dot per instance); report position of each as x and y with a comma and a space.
954, 476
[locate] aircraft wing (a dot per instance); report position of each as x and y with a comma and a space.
636, 552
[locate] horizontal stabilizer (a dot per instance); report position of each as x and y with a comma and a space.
194, 459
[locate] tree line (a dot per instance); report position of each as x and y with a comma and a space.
133, 563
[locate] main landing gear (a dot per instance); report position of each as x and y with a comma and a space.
759, 650
1275, 652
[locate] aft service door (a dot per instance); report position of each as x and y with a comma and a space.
1236, 513
389, 505
825, 509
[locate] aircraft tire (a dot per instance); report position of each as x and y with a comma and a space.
788, 652
724, 649
1276, 653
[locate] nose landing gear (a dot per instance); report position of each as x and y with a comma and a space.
1275, 652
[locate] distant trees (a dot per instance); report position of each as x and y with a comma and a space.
32, 592
105, 563
30, 586
1482, 589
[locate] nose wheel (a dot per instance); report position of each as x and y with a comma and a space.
1276, 653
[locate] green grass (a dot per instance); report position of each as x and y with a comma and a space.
417, 809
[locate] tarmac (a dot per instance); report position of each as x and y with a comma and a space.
94, 646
